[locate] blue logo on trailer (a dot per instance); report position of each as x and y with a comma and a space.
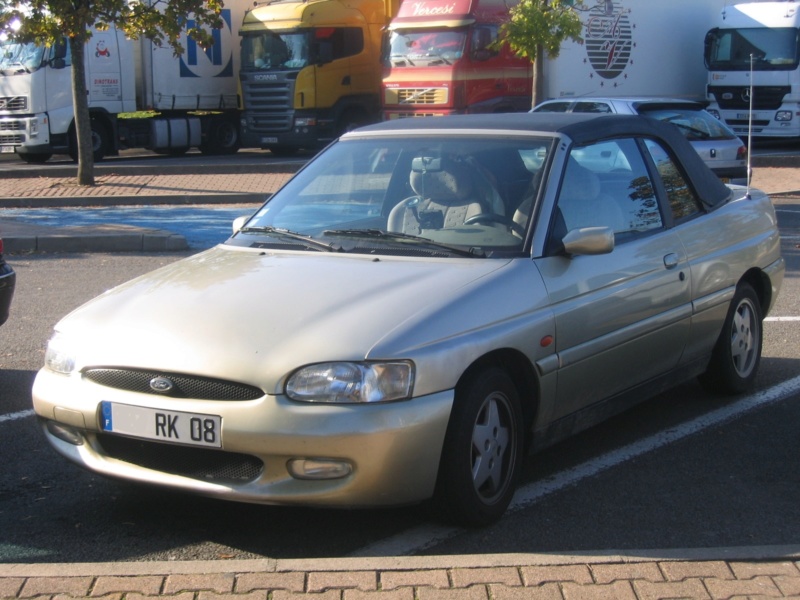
215, 61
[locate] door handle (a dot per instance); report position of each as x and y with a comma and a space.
671, 260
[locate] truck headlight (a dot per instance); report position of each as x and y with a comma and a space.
713, 112
783, 115
59, 356
34, 128
352, 382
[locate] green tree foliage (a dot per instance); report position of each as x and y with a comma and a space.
539, 27
47, 21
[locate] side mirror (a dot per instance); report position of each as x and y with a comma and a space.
239, 222
589, 241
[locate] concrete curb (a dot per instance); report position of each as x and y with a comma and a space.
401, 563
21, 238
143, 200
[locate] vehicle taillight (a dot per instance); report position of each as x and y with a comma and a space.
1, 246
741, 153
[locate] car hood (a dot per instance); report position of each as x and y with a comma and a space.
254, 316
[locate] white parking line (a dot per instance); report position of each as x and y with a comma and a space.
782, 319
17, 415
419, 538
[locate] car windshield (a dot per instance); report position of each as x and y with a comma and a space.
268, 50
441, 196
20, 58
428, 47
694, 124
771, 48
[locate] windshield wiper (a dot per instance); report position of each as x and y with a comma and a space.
692, 130
293, 235
394, 235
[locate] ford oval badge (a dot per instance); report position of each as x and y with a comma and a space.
161, 385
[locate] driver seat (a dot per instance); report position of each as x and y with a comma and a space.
444, 197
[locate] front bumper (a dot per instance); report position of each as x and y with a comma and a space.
393, 448
8, 281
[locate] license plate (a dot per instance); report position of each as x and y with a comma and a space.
163, 425
269, 140
6, 149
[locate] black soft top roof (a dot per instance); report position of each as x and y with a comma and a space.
582, 129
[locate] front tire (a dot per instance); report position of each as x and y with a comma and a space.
737, 354
483, 450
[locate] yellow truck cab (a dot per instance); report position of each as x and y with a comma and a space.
310, 70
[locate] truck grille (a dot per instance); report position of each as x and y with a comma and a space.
416, 96
11, 140
738, 97
268, 104
184, 386
14, 103
195, 463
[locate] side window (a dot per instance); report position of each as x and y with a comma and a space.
483, 38
345, 41
682, 200
607, 184
591, 107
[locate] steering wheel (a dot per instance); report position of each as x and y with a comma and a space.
495, 218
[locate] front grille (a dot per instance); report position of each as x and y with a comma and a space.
11, 140
11, 125
14, 103
184, 386
738, 98
416, 96
196, 463
269, 104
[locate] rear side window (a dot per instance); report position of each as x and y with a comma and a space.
592, 107
694, 124
682, 200
553, 107
345, 41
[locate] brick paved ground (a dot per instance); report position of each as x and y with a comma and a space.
394, 580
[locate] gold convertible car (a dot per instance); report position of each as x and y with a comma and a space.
420, 306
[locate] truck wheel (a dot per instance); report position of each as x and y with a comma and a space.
349, 120
222, 137
483, 450
736, 356
36, 158
283, 151
101, 141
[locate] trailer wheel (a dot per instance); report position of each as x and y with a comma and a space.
222, 137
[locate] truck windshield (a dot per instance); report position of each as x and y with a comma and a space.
428, 47
270, 50
20, 58
772, 49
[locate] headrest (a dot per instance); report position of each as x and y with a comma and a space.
440, 179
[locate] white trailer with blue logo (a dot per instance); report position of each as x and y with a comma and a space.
753, 61
190, 100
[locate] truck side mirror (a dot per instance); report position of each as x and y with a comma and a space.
59, 54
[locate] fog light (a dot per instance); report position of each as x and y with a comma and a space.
783, 115
318, 468
65, 433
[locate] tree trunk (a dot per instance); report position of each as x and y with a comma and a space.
538, 76
80, 103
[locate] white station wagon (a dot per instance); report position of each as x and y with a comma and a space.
422, 304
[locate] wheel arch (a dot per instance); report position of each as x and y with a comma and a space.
762, 286
107, 120
522, 374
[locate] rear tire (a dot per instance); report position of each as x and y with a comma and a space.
483, 450
737, 354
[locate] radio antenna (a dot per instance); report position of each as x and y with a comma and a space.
750, 129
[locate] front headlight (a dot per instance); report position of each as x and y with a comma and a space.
352, 382
59, 356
